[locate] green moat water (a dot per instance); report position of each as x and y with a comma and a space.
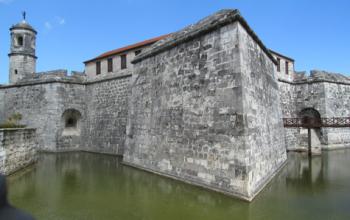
84, 186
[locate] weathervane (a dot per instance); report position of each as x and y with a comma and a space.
24, 15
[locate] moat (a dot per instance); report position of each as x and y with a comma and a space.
85, 186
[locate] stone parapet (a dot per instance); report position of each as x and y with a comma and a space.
58, 76
319, 76
206, 25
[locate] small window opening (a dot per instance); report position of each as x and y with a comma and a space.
123, 61
278, 65
137, 52
20, 41
98, 68
16, 72
287, 65
110, 65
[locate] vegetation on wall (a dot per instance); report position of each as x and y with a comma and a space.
13, 121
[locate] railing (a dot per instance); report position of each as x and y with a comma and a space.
316, 123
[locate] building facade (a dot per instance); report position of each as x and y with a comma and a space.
204, 105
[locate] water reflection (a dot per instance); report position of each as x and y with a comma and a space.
89, 186
305, 172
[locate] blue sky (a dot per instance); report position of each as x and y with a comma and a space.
315, 33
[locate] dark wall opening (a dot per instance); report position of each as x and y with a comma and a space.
20, 41
310, 116
71, 122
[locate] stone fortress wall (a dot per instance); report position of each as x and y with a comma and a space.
45, 99
42, 104
17, 149
106, 114
206, 109
328, 93
203, 105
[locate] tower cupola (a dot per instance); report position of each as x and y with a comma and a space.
22, 51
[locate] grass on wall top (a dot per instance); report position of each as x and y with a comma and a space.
12, 122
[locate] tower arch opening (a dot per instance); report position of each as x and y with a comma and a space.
313, 138
20, 41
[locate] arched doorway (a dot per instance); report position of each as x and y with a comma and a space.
311, 120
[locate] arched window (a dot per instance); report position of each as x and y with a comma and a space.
16, 72
71, 122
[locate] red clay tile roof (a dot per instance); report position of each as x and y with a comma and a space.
130, 47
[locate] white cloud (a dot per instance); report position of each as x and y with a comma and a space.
48, 25
60, 20
53, 23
